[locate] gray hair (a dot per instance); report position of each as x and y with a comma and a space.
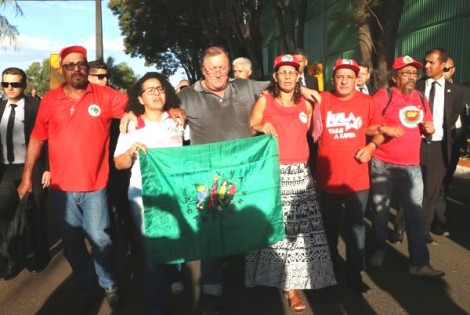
242, 61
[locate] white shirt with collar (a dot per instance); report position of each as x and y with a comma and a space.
438, 106
19, 141
302, 79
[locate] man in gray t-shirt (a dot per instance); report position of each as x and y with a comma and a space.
218, 109
219, 115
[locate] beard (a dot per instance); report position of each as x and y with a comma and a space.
79, 81
409, 87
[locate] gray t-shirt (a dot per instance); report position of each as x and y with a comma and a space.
214, 119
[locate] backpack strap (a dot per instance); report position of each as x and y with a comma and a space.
389, 93
421, 96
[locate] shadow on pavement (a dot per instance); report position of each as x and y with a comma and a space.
458, 211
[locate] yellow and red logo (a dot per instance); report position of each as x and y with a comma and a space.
411, 116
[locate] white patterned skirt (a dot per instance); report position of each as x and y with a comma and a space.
302, 259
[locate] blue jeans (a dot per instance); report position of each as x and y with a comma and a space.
158, 277
355, 204
85, 215
407, 183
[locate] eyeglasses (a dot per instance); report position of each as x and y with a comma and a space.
13, 84
152, 90
71, 66
407, 74
285, 73
213, 71
100, 76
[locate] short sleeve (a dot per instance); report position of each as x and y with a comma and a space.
375, 116
259, 87
118, 103
125, 140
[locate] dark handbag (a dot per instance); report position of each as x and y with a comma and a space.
27, 236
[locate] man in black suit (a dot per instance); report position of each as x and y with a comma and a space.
304, 78
446, 100
459, 130
17, 116
362, 82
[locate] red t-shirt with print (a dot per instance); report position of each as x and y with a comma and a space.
344, 133
407, 111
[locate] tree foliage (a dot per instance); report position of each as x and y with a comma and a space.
173, 33
39, 76
8, 32
121, 76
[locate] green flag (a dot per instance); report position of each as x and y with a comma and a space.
211, 200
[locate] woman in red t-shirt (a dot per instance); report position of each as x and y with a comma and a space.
301, 260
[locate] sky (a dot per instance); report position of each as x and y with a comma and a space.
47, 26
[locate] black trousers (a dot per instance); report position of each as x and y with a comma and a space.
10, 178
434, 172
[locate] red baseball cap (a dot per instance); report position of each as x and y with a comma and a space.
72, 49
286, 60
346, 64
404, 61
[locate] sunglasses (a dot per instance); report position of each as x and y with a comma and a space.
13, 84
100, 76
71, 66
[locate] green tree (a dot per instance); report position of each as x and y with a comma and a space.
174, 33
39, 77
8, 32
121, 76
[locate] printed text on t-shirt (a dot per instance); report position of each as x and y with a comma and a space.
340, 125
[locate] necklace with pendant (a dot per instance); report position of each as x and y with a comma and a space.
72, 108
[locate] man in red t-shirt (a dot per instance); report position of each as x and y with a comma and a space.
342, 169
395, 166
75, 119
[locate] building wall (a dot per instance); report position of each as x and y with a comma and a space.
424, 24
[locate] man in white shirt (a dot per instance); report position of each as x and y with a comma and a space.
446, 101
304, 78
17, 116
362, 82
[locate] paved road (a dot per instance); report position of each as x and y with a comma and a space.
392, 291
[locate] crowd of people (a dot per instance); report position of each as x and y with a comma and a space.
349, 149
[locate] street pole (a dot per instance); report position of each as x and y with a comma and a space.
99, 31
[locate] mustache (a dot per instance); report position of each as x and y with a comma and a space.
78, 74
